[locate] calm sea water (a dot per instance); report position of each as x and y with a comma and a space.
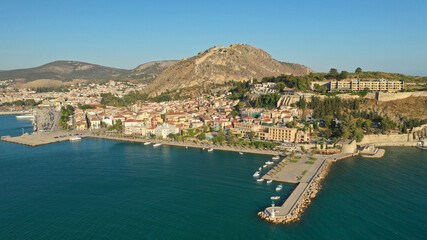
103, 189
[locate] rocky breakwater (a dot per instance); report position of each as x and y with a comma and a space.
300, 198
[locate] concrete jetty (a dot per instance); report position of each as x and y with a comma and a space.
306, 189
37, 139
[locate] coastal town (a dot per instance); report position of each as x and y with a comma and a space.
290, 129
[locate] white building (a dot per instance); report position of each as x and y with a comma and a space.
165, 129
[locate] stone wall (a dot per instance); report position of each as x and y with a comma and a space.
400, 95
390, 139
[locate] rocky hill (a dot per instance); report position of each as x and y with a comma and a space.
147, 72
237, 62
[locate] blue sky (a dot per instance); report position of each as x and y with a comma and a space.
376, 35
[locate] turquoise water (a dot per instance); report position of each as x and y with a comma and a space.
103, 189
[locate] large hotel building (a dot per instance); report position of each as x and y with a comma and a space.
381, 85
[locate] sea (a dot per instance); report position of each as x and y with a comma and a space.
105, 189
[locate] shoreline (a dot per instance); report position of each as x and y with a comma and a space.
192, 145
14, 112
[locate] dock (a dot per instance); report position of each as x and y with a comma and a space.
38, 139
306, 189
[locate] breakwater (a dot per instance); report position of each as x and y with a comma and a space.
307, 189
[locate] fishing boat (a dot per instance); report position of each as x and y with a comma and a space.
256, 174
157, 144
279, 187
275, 198
275, 158
147, 143
269, 181
75, 138
269, 162
210, 149
260, 179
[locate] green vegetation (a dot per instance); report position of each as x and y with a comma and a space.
309, 162
297, 157
313, 158
26, 102
116, 126
267, 100
84, 107
304, 172
66, 112
293, 161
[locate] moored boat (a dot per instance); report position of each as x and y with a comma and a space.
269, 181
269, 162
275, 198
240, 153
279, 187
260, 179
256, 174
275, 158
210, 149
265, 165
75, 138
157, 144
147, 143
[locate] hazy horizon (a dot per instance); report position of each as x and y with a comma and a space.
374, 35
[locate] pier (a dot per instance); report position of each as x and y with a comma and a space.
306, 189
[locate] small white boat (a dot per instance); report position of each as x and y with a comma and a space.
210, 149
256, 174
147, 143
269, 181
27, 116
260, 168
279, 187
269, 162
265, 165
240, 153
75, 138
157, 144
260, 179
275, 158
275, 198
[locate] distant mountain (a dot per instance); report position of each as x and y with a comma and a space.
217, 65
64, 71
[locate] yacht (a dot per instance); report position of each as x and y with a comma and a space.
256, 174
157, 144
75, 138
147, 143
269, 162
279, 187
275, 158
260, 179
275, 198
26, 116
210, 149
269, 181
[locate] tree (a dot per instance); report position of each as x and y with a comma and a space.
280, 86
367, 125
302, 103
251, 135
333, 73
358, 70
342, 75
358, 135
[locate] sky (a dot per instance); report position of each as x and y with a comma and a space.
376, 35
